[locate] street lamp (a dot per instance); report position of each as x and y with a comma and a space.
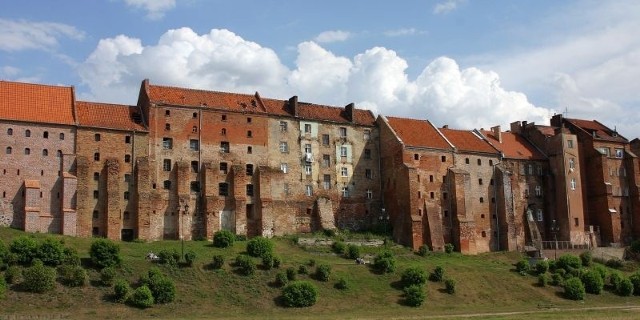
554, 229
382, 218
186, 211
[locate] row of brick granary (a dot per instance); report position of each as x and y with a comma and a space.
185, 163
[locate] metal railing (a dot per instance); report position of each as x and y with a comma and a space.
564, 245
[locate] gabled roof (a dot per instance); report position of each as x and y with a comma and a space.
601, 131
111, 116
514, 146
418, 133
334, 114
465, 140
36, 103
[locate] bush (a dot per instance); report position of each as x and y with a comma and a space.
291, 274
51, 252
38, 278
13, 275
543, 279
423, 250
557, 279
522, 266
568, 261
592, 281
223, 239
437, 275
4, 251
385, 262
190, 257
615, 263
72, 276
277, 261
635, 280
342, 284
3, 287
614, 279
259, 246
217, 262
625, 288
121, 291
448, 248
413, 276
323, 272
574, 289
246, 265
339, 247
586, 258
450, 286
267, 261
542, 267
71, 257
105, 253
25, 249
602, 271
299, 294
414, 295
169, 257
281, 279
353, 251
107, 276
552, 265
161, 286
302, 269
141, 297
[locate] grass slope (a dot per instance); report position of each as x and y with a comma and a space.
486, 284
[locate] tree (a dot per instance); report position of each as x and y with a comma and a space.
105, 253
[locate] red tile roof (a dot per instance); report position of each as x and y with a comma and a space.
36, 103
417, 133
334, 114
601, 131
514, 146
547, 130
112, 116
466, 140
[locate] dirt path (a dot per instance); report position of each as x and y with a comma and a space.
528, 312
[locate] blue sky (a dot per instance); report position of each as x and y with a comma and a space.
466, 63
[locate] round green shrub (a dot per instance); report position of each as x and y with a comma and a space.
72, 276
259, 246
223, 239
567, 261
342, 284
448, 248
615, 263
450, 286
586, 258
291, 274
543, 279
277, 261
107, 276
162, 288
299, 294
281, 279
552, 265
121, 290
323, 272
423, 250
190, 257
557, 279
437, 275
592, 281
245, 265
542, 267
267, 261
39, 278
13, 274
141, 297
217, 262
105, 253
414, 295
339, 247
522, 266
169, 257
385, 262
71, 257
602, 271
574, 289
302, 269
635, 280
25, 249
625, 287
413, 276
353, 251
614, 279
51, 252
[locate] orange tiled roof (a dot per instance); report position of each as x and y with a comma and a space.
334, 114
104, 115
467, 141
601, 131
514, 146
36, 103
417, 133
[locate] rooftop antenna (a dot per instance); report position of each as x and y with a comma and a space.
565, 113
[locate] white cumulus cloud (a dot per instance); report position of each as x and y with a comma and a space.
17, 35
155, 9
447, 6
402, 32
332, 36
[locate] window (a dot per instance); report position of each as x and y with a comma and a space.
573, 183
416, 156
326, 182
283, 126
481, 200
491, 182
431, 178
490, 162
572, 164
368, 174
466, 160
343, 151
223, 131
307, 128
249, 150
27, 133
539, 169
167, 113
45, 134
195, 186
539, 214
96, 176
284, 147
59, 153
576, 221
284, 167
95, 214
194, 145
480, 181
223, 168
248, 119
367, 153
167, 143
605, 151
195, 166
96, 156
126, 195
307, 169
10, 131
285, 189
326, 160
223, 189
308, 190
249, 134
569, 143
345, 192
224, 147
96, 137
249, 169
619, 152
61, 136
538, 191
195, 115
307, 148
530, 167
167, 126
369, 194
9, 150
343, 132
166, 184
126, 215
127, 178
432, 195
250, 190
344, 172
367, 134
443, 158
96, 194
127, 139
479, 162
166, 164
127, 158
194, 129
325, 139
223, 117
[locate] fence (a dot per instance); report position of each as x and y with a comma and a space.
564, 245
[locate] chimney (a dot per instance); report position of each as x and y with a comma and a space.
348, 109
515, 127
446, 126
556, 120
293, 105
496, 133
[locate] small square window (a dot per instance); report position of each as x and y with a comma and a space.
96, 156
249, 134
283, 126
167, 143
127, 139
195, 114
443, 158
344, 172
194, 145
250, 190
249, 150
167, 113
127, 158
284, 147
284, 167
479, 162
248, 120
224, 147
325, 139
223, 168
249, 169
96, 215
195, 166
368, 174
416, 156
167, 126
96, 194
307, 128
96, 176
223, 117
166, 184
166, 165
195, 186
343, 132
96, 137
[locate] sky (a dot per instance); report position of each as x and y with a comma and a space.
464, 63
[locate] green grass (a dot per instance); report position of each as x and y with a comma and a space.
486, 284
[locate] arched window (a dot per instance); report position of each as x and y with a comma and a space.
45, 152
27, 133
9, 150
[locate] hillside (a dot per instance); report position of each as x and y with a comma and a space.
486, 284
